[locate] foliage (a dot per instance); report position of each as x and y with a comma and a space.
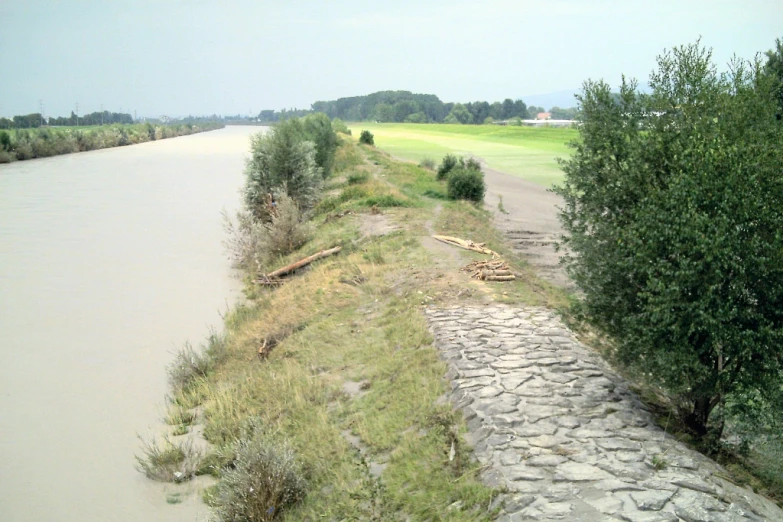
367, 138
446, 165
22, 144
281, 161
318, 129
774, 67
169, 461
254, 244
459, 114
427, 163
404, 106
190, 364
466, 183
263, 482
339, 125
673, 210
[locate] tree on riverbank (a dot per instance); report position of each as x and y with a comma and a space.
674, 211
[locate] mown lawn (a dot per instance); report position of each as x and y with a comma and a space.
527, 152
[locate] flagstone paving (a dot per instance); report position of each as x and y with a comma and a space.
563, 433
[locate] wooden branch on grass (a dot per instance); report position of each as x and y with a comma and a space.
274, 277
467, 245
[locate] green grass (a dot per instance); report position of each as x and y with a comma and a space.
526, 152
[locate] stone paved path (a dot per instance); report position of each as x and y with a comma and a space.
551, 422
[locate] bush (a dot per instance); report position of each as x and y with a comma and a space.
264, 481
465, 183
448, 163
673, 207
281, 161
318, 129
253, 244
339, 125
5, 140
427, 163
367, 138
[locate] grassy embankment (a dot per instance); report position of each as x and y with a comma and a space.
23, 144
353, 383
530, 153
526, 152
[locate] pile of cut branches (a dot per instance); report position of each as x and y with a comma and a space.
491, 270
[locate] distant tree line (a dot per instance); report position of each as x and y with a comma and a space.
405, 106
35, 120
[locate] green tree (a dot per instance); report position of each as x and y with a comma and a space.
318, 129
774, 67
673, 209
281, 161
461, 114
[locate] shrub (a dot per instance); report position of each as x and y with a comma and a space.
339, 125
253, 244
281, 161
265, 481
367, 138
318, 129
169, 461
448, 163
465, 183
427, 163
673, 206
5, 140
470, 163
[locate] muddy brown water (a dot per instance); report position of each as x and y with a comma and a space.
109, 260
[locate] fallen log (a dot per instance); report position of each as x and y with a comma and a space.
272, 277
489, 273
467, 245
500, 278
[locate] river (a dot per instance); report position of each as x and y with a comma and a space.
109, 261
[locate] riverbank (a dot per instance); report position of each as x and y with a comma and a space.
338, 366
348, 376
43, 142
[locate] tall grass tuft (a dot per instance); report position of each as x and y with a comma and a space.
169, 461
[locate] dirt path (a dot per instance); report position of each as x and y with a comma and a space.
528, 217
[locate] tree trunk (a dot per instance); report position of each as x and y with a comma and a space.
698, 422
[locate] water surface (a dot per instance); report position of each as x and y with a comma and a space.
109, 260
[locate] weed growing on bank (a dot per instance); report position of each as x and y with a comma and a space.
168, 461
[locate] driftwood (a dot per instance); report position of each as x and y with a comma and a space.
467, 245
273, 278
492, 270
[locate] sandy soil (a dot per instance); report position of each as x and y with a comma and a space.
529, 222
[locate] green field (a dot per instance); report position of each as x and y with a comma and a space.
522, 151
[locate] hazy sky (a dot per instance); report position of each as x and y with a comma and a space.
231, 56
